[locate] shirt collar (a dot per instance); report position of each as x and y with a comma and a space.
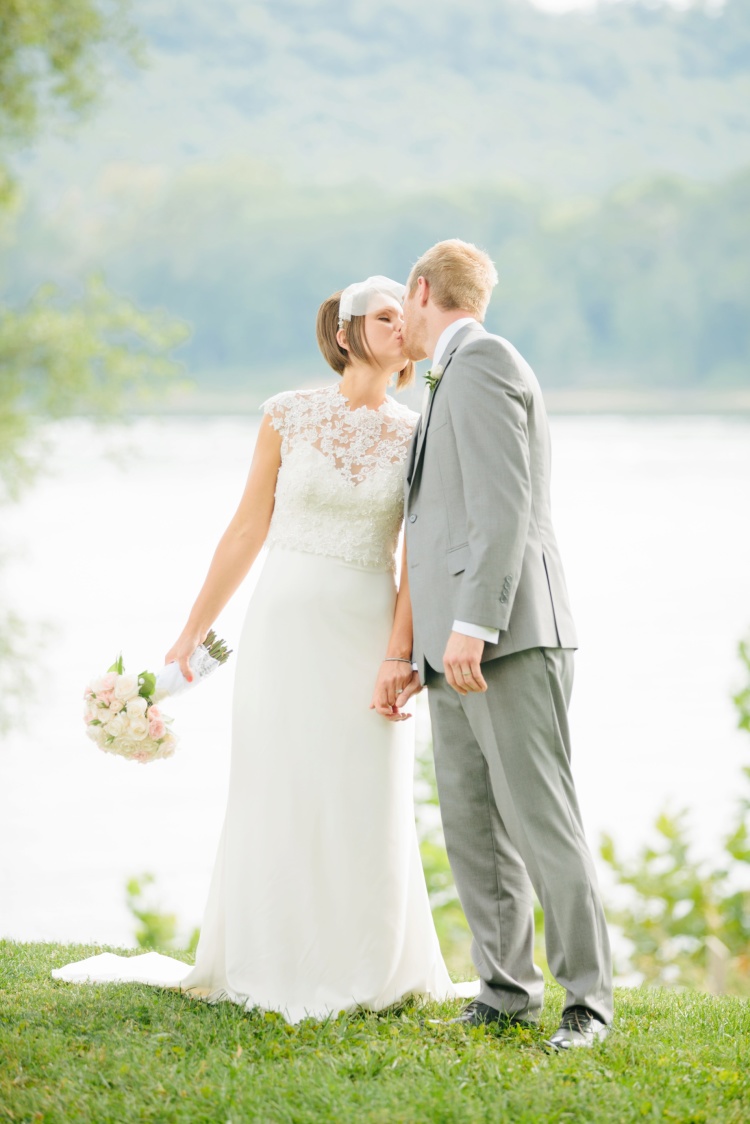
447, 335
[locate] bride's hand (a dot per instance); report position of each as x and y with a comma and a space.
396, 682
181, 652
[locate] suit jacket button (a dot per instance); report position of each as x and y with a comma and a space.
412, 518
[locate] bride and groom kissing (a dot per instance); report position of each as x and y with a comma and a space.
317, 901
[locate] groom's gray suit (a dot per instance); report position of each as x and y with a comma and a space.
481, 549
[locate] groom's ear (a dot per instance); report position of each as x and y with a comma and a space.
423, 291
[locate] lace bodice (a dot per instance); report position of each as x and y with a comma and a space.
340, 486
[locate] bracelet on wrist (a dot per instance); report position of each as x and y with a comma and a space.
396, 659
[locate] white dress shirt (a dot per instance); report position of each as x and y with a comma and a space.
478, 631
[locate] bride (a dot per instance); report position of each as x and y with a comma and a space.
317, 902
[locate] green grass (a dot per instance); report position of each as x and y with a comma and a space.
100, 1053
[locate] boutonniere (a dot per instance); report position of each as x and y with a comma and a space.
433, 376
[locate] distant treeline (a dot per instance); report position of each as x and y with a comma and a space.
468, 92
648, 285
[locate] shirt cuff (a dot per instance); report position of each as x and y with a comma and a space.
478, 631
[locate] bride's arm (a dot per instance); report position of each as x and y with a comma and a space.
395, 675
238, 547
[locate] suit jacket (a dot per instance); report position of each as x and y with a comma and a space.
479, 536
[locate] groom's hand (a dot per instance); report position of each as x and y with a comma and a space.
461, 663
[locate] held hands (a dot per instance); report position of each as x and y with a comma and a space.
461, 663
181, 652
395, 684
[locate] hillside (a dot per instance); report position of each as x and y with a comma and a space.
271, 152
486, 90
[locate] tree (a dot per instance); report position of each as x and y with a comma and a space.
61, 357
51, 61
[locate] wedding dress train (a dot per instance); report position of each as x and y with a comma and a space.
317, 902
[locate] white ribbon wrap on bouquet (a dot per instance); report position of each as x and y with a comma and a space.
171, 681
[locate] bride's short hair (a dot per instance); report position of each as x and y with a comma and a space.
334, 354
460, 275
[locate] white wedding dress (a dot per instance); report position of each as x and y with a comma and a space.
318, 901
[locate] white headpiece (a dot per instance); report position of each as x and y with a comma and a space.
361, 297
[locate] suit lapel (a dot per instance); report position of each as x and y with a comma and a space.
411, 457
455, 344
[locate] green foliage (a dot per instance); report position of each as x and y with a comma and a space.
742, 698
146, 684
131, 1052
738, 842
687, 920
60, 357
155, 929
51, 59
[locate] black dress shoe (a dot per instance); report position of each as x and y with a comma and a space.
481, 1014
579, 1027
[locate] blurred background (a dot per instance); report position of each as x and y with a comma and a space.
181, 185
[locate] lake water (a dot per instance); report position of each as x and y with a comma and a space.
110, 548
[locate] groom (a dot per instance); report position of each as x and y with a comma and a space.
494, 640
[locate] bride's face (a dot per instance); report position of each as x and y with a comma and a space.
383, 328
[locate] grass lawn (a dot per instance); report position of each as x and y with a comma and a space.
128, 1052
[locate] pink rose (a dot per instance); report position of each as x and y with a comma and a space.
156, 728
168, 745
106, 697
153, 712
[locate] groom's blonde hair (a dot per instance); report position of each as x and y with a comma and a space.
459, 274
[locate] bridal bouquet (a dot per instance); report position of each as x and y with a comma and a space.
121, 712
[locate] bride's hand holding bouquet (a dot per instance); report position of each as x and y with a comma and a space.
121, 712
184, 648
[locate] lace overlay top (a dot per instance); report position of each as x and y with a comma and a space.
340, 486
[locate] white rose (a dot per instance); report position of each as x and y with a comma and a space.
126, 747
126, 687
138, 728
117, 726
136, 706
116, 706
97, 735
